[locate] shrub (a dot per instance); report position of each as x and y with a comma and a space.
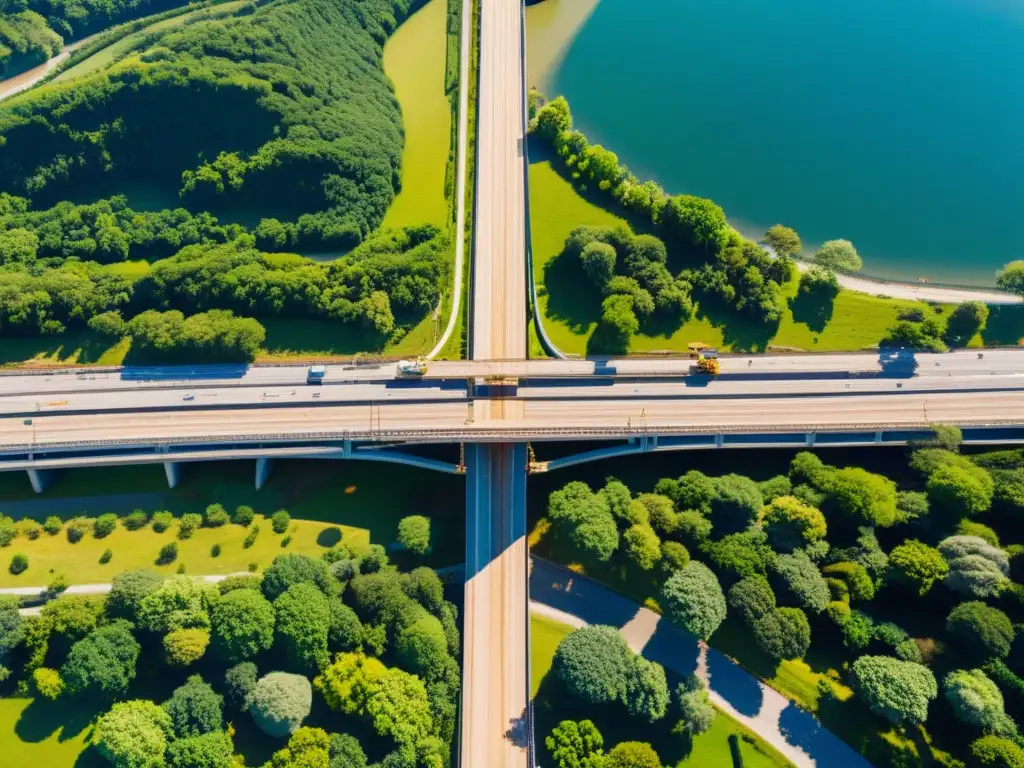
52, 525
19, 564
183, 647
996, 752
181, 569
414, 534
693, 526
751, 598
961, 490
783, 633
77, 528
803, 581
373, 560
250, 537
178, 603
211, 750
692, 599
168, 553
215, 516
103, 662
976, 700
286, 541
290, 569
58, 584
977, 530
279, 702
107, 555
917, 565
135, 520
642, 546
790, 523
127, 591
632, 754
215, 550
983, 632
856, 578
162, 521
695, 707
280, 521
594, 664
243, 516
303, 623
908, 650
195, 708
188, 525
241, 581
858, 630
239, 682
674, 556
30, 529
7, 531
104, 525
134, 734
573, 744
911, 505
242, 624
48, 683
898, 690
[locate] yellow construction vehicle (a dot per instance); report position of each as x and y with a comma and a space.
707, 365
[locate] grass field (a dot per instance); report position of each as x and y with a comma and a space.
709, 750
364, 499
414, 59
855, 320
29, 737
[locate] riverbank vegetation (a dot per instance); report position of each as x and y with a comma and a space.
724, 290
872, 603
342, 657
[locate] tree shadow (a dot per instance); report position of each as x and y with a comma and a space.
673, 648
42, 718
75, 346
660, 325
606, 340
329, 537
804, 730
1005, 326
572, 299
812, 309
91, 757
739, 333
734, 684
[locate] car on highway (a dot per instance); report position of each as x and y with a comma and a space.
189, 396
411, 369
316, 374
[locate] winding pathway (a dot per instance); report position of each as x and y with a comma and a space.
577, 601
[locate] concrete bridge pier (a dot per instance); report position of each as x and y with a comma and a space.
40, 479
173, 471
263, 467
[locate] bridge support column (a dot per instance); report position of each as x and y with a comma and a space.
40, 479
810, 438
719, 440
173, 471
878, 437
263, 467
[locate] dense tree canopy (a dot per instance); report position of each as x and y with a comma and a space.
917, 565
839, 255
102, 664
576, 745
692, 599
790, 523
134, 734
584, 520
897, 690
280, 702
242, 624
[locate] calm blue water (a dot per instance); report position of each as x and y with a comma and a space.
897, 124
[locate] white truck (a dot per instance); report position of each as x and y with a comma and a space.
315, 374
411, 369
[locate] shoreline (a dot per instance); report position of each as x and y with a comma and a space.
25, 80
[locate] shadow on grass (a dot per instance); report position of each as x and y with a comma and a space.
812, 309
572, 298
329, 537
76, 346
42, 718
738, 332
91, 757
1005, 326
309, 336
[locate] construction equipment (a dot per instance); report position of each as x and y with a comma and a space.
709, 366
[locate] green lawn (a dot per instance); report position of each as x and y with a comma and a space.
709, 750
365, 499
854, 321
34, 733
414, 59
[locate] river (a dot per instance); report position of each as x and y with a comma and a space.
895, 125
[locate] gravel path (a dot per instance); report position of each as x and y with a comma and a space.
577, 601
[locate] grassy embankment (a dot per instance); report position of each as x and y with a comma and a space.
355, 502
552, 705
414, 59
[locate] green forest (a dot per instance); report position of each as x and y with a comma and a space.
890, 605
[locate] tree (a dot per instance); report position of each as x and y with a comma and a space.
303, 623
961, 491
996, 752
632, 754
280, 702
48, 683
694, 490
976, 567
911, 505
185, 646
917, 565
661, 512
856, 578
964, 322
783, 240
618, 323
674, 556
290, 569
594, 663
12, 626
598, 260
422, 648
346, 631
345, 683
982, 632
239, 682
803, 581
211, 750
280, 521
740, 554
1011, 278
619, 500
70, 618
582, 518
195, 708
695, 707
179, 602
783, 633
692, 599
643, 546
839, 256
862, 495
553, 119
127, 591
790, 523
775, 487
102, 664
898, 690
134, 734
646, 690
576, 745
243, 625
694, 223
976, 700
346, 752
215, 516
414, 534
306, 747
736, 502
751, 598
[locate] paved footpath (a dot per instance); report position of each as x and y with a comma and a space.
577, 601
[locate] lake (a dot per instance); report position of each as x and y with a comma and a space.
896, 125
